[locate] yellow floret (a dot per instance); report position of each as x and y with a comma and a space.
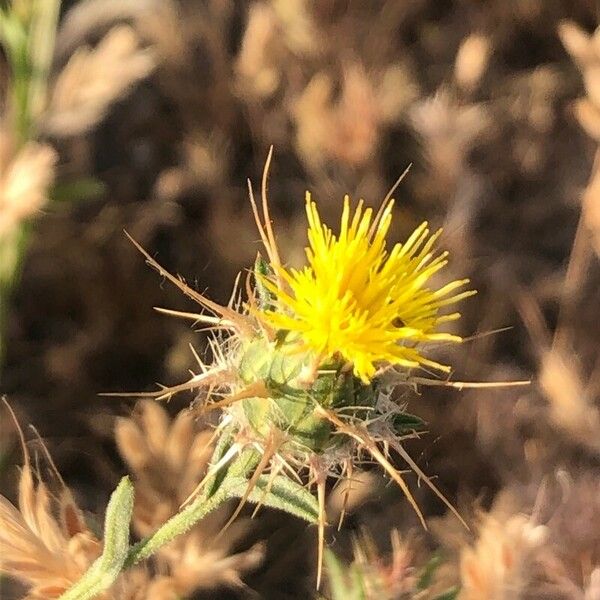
357, 301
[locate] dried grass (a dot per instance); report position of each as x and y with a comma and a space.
584, 50
44, 541
25, 177
485, 104
572, 408
449, 131
46, 544
167, 460
471, 61
500, 564
95, 78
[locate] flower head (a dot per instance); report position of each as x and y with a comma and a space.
357, 300
296, 366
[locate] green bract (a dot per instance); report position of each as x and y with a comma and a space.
292, 397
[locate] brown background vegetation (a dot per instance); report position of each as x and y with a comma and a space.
482, 100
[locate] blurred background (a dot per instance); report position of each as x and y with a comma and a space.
150, 115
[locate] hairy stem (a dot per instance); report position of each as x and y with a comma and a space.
104, 571
177, 525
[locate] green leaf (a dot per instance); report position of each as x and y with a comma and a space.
281, 493
42, 35
105, 570
223, 444
335, 574
244, 464
451, 594
264, 296
84, 188
12, 33
345, 582
14, 38
405, 422
426, 575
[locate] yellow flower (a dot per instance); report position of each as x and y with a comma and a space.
358, 301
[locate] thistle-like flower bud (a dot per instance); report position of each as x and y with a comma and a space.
305, 368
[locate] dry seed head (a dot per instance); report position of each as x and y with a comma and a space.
584, 50
25, 177
393, 578
95, 78
36, 547
166, 458
581, 46
256, 66
500, 564
46, 544
588, 115
471, 61
572, 409
44, 541
345, 130
410, 571
449, 131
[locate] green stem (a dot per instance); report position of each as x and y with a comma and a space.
225, 484
230, 481
105, 570
178, 524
